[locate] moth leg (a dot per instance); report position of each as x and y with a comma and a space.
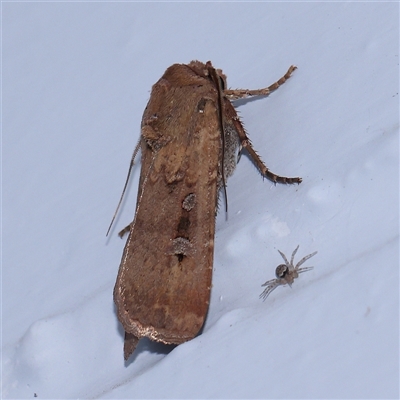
130, 343
125, 231
265, 172
234, 94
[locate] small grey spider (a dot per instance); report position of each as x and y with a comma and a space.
286, 273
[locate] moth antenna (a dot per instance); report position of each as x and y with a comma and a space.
217, 81
126, 184
128, 342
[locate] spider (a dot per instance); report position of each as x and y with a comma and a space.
286, 273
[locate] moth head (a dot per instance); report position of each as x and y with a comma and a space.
220, 74
222, 78
204, 71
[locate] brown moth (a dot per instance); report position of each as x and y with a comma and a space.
190, 139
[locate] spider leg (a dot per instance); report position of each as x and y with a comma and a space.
305, 269
270, 282
293, 254
284, 258
304, 259
270, 286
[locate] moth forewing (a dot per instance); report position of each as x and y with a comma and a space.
163, 285
190, 134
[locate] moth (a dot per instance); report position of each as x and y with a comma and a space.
191, 137
286, 273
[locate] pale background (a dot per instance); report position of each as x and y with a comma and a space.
75, 80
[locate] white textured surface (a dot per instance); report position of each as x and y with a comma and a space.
76, 78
